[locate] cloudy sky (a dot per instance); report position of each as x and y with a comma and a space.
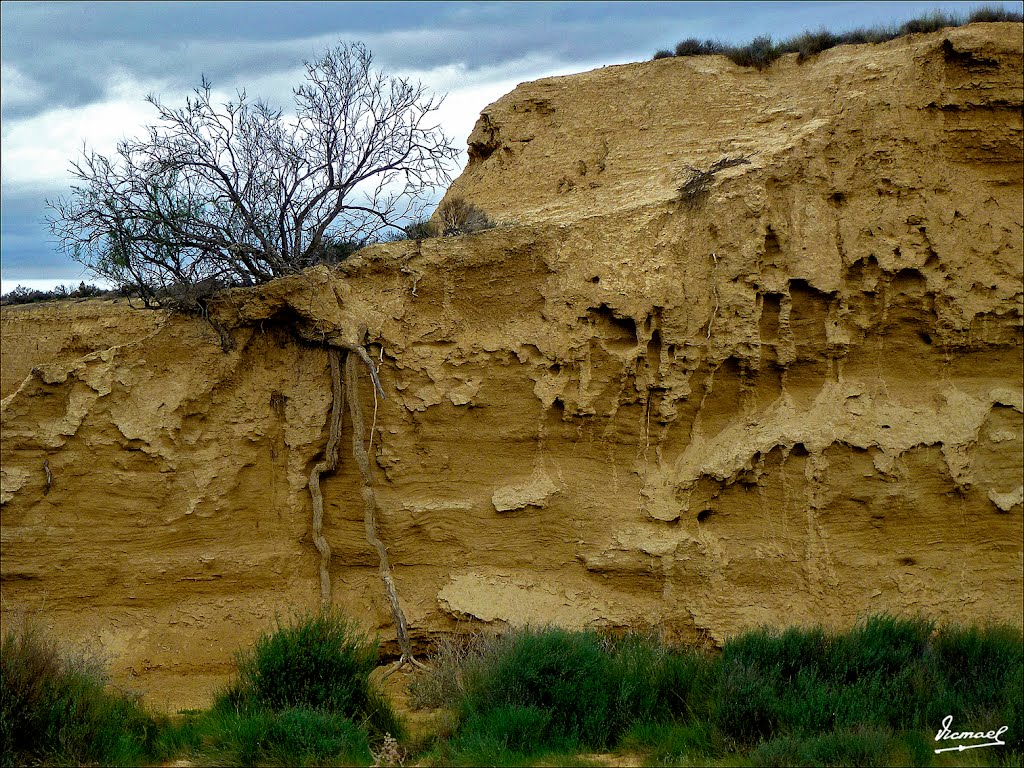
78, 72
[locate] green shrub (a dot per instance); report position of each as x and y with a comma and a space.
976, 660
672, 743
179, 735
873, 694
56, 709
565, 673
805, 682
832, 749
1011, 714
758, 53
557, 690
336, 250
991, 13
653, 681
929, 22
662, 54
882, 646
694, 47
513, 728
291, 736
809, 44
319, 661
886, 674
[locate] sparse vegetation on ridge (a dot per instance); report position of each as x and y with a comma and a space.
22, 295
762, 51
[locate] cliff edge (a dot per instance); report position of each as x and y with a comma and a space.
746, 347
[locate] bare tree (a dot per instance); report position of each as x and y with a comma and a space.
239, 193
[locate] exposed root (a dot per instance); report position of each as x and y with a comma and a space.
329, 464
227, 343
370, 502
714, 290
404, 661
365, 357
347, 387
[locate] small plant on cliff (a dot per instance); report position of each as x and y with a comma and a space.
54, 708
758, 53
697, 182
694, 47
419, 230
22, 295
456, 216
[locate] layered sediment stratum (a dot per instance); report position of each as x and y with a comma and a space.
745, 347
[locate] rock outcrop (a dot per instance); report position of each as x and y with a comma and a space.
745, 347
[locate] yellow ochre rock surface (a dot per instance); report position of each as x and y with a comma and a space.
746, 347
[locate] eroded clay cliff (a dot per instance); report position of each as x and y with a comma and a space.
746, 347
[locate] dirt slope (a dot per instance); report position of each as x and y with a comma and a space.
792, 392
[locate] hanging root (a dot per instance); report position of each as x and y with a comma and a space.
370, 505
329, 464
342, 389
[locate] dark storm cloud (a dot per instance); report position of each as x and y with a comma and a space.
28, 250
71, 51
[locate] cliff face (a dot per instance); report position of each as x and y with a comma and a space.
746, 348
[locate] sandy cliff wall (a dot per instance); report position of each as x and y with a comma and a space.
794, 396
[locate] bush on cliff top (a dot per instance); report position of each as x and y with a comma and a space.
23, 295
761, 52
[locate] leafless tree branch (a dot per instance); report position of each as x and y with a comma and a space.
240, 193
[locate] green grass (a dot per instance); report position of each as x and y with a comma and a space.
762, 51
875, 694
56, 708
297, 736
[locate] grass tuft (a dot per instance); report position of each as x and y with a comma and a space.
55, 708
